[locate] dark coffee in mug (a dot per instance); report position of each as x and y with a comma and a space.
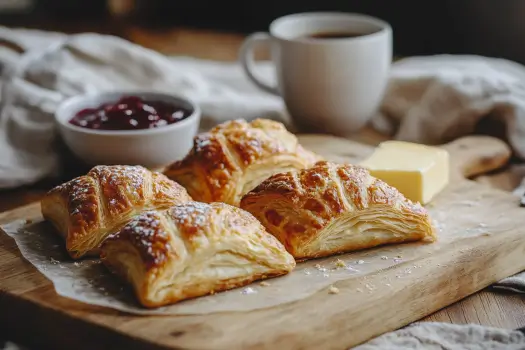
335, 35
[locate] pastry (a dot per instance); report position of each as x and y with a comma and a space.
88, 208
234, 157
193, 249
333, 208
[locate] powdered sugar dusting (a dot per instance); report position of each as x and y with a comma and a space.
116, 182
114, 175
201, 142
191, 214
148, 236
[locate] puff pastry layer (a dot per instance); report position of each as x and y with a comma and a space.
333, 208
192, 250
234, 157
88, 208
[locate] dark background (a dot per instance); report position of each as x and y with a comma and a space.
488, 27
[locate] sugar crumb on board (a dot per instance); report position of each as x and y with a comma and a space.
265, 284
320, 268
370, 287
340, 263
333, 290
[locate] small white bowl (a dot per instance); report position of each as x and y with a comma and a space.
152, 148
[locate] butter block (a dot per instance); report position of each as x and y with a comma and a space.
418, 171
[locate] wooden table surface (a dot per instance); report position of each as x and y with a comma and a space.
488, 307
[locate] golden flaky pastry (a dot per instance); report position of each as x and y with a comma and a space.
234, 157
88, 208
191, 250
332, 208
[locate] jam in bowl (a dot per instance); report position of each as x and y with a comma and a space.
134, 128
130, 113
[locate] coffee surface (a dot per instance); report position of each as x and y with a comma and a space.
335, 35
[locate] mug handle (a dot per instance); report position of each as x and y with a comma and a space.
248, 62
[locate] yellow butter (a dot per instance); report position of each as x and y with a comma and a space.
418, 171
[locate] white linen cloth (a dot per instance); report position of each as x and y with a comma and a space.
429, 100
444, 336
438, 98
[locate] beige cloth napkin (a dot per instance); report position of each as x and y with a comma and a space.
444, 336
438, 98
430, 100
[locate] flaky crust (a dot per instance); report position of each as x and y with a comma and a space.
234, 157
332, 208
88, 208
191, 250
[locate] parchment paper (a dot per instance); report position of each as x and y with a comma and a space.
88, 280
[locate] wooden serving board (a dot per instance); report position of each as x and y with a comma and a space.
481, 242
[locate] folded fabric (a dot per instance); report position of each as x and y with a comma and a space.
435, 99
438, 336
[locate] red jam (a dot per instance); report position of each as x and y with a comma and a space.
130, 113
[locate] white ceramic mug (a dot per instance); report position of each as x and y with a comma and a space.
335, 84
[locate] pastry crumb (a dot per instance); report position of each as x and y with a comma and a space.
340, 263
360, 262
333, 290
384, 257
320, 268
264, 284
359, 290
399, 256
29, 221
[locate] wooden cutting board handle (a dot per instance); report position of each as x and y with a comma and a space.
469, 155
475, 155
